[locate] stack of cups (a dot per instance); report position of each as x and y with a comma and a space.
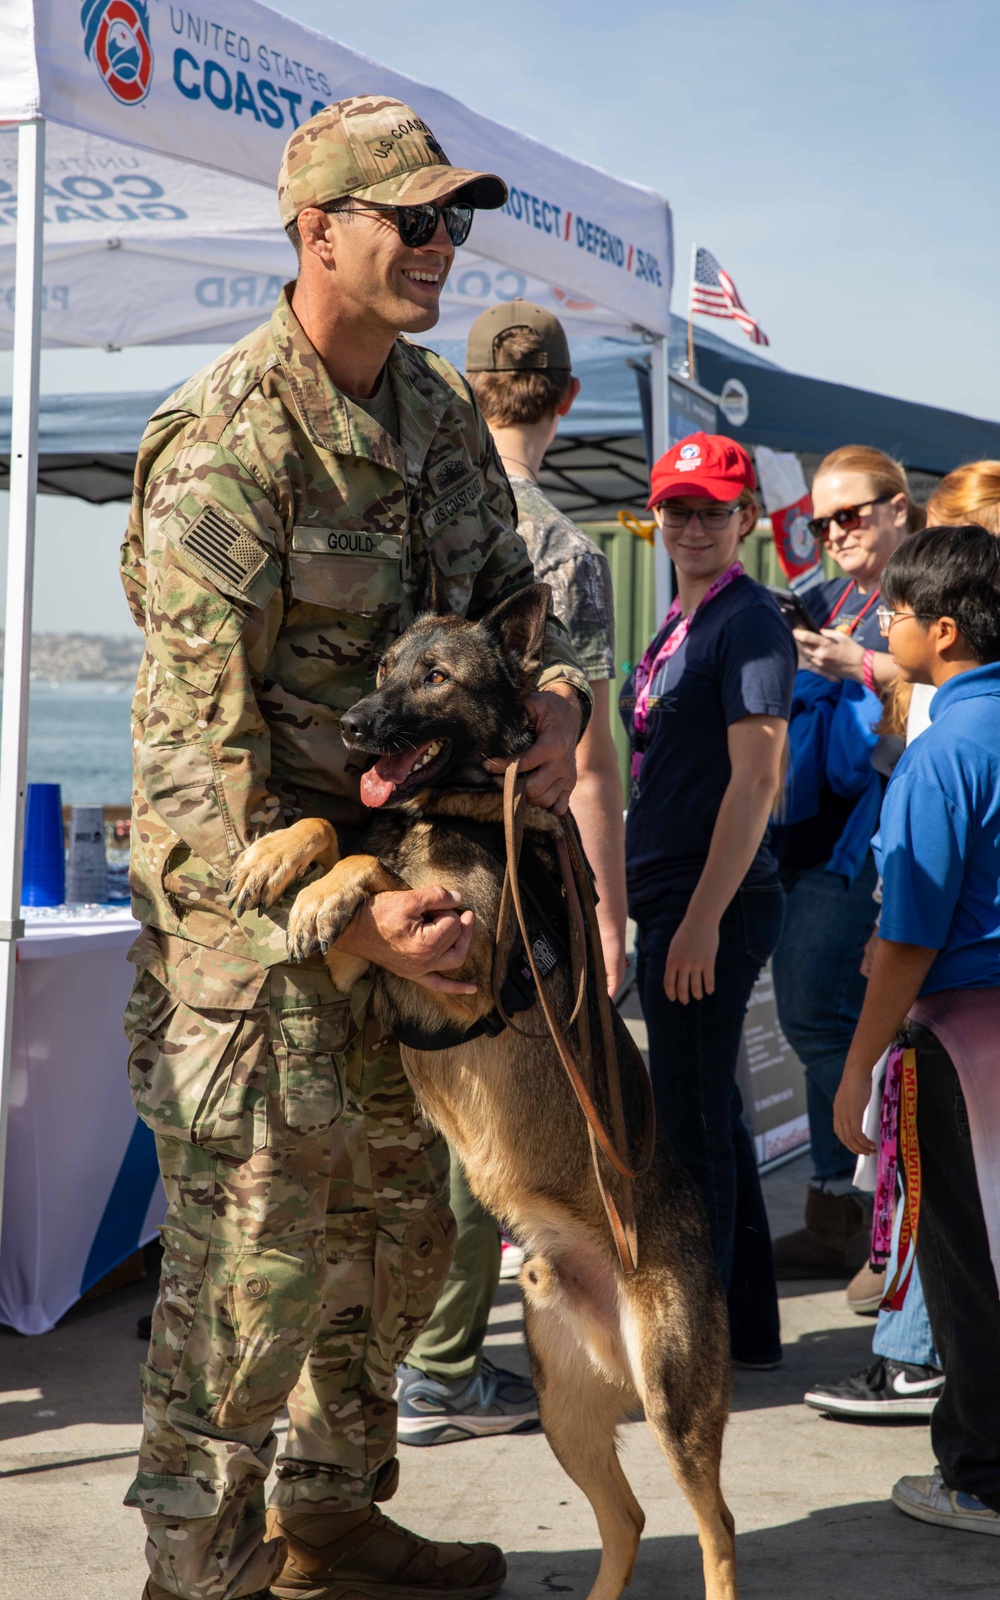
44, 882
87, 873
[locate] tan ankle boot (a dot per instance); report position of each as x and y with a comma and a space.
330, 1555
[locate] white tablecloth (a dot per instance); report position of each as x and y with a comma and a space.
82, 1190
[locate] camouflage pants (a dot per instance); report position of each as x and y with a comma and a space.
307, 1235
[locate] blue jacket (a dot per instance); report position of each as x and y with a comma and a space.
831, 737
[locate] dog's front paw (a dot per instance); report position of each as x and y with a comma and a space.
262, 873
317, 919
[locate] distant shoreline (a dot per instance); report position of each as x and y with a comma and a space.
63, 658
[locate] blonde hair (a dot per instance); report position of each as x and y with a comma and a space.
969, 494
885, 475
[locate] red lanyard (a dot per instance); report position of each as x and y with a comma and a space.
854, 621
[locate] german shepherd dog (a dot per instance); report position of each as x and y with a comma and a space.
603, 1342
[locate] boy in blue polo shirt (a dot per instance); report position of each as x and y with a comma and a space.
938, 955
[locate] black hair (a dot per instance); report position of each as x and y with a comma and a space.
951, 572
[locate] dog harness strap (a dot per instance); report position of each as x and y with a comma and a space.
614, 1149
518, 991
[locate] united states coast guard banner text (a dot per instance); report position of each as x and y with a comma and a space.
225, 85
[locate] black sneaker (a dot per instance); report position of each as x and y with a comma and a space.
885, 1389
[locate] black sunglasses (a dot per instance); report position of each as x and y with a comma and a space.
416, 225
848, 518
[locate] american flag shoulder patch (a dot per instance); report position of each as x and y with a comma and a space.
226, 553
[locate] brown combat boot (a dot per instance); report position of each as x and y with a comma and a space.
330, 1555
834, 1242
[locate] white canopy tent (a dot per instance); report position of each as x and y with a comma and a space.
146, 214
143, 248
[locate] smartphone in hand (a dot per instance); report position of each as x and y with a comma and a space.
793, 611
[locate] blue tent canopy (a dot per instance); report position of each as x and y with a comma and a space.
87, 443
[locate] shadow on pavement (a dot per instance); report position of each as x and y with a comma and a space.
843, 1553
86, 1369
827, 1356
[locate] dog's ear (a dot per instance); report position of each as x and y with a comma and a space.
518, 625
433, 599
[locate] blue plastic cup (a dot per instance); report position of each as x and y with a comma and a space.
44, 882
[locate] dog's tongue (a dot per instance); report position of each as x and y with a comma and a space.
378, 783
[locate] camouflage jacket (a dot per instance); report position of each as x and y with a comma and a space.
274, 544
563, 556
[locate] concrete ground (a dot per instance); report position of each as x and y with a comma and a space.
810, 1496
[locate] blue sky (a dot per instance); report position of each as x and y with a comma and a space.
840, 160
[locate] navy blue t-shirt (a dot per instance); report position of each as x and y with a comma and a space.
820, 600
737, 661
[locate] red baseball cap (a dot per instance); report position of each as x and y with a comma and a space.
706, 464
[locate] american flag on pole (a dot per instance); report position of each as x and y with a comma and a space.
713, 294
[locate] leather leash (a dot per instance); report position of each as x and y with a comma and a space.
584, 936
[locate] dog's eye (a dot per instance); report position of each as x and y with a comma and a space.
380, 672
436, 676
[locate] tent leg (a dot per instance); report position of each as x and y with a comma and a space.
20, 575
660, 388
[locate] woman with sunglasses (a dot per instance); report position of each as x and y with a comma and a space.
707, 711
862, 510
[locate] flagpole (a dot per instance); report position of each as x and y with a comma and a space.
691, 371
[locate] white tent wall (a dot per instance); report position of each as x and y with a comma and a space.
210, 97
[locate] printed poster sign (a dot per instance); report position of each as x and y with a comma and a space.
771, 1079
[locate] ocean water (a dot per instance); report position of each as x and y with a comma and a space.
78, 737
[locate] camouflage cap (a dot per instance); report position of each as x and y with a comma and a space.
374, 149
552, 352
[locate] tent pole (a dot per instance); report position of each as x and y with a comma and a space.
660, 389
20, 576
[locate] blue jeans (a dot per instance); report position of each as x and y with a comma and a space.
693, 1051
905, 1335
819, 992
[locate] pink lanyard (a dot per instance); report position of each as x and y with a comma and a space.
649, 666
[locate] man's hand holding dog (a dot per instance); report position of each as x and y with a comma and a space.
420, 934
550, 764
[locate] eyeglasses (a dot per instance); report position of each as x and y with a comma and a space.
416, 225
847, 518
887, 618
713, 519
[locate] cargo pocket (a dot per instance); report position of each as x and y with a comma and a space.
428, 1247
311, 1038
274, 1303
197, 1075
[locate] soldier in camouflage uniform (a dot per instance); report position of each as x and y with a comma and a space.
278, 533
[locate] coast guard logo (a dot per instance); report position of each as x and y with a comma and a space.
116, 38
689, 452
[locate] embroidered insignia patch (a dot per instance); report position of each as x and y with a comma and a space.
225, 552
452, 472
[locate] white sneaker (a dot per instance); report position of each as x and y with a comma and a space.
930, 1500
